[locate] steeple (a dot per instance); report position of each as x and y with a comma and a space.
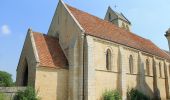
167, 35
118, 19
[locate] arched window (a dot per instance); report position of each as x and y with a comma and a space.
108, 59
25, 74
127, 27
160, 70
109, 17
131, 64
123, 25
147, 67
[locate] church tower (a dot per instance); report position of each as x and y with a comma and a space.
167, 35
118, 19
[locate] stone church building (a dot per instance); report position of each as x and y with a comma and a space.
82, 56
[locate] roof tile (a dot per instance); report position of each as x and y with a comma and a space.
49, 51
100, 28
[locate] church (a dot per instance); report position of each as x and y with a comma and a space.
82, 55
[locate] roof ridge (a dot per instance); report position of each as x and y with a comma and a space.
89, 14
46, 35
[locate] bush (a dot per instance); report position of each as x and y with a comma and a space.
134, 94
111, 95
28, 94
2, 96
5, 79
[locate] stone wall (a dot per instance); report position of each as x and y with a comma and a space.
105, 80
28, 59
139, 79
52, 84
11, 91
68, 30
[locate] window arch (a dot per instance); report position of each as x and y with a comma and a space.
108, 59
131, 64
160, 70
147, 67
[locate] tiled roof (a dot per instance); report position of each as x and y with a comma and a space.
49, 51
100, 28
167, 52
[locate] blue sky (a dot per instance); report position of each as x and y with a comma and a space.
150, 19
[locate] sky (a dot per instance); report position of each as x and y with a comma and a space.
150, 19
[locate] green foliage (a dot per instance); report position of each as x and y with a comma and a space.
5, 79
134, 94
111, 95
28, 94
2, 96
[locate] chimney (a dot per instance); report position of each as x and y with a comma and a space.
167, 35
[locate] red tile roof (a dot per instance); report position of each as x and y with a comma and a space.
100, 28
49, 51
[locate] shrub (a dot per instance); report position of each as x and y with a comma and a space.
134, 94
5, 79
111, 95
2, 96
28, 94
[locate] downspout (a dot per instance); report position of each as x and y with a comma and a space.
166, 80
84, 66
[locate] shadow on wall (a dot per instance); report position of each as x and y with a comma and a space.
144, 87
62, 86
60, 61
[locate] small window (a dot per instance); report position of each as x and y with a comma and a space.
160, 70
131, 64
123, 25
109, 17
147, 67
108, 59
127, 27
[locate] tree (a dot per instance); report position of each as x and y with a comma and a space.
5, 79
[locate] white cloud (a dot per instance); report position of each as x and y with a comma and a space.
5, 30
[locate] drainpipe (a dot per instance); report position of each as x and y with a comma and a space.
84, 66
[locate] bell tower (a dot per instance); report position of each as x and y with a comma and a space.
167, 35
118, 19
